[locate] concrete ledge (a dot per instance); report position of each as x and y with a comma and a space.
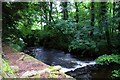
26, 66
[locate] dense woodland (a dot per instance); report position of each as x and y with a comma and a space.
84, 29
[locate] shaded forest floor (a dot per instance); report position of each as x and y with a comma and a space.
26, 63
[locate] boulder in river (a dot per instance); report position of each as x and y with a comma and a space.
83, 73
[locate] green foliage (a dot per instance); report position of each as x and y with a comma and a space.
82, 40
97, 29
50, 67
41, 23
82, 44
16, 47
65, 27
107, 59
52, 75
16, 43
7, 68
116, 73
58, 35
6, 71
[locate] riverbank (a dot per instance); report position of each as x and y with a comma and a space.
25, 66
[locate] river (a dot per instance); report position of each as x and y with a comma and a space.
76, 67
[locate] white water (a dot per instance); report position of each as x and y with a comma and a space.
80, 64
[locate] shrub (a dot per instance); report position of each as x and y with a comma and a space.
116, 73
107, 59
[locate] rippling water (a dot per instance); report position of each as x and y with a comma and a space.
55, 57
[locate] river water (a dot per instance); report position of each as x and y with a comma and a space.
76, 67
56, 57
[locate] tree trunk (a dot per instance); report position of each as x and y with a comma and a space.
44, 9
118, 15
113, 17
104, 21
65, 11
41, 21
45, 12
92, 15
77, 12
50, 12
